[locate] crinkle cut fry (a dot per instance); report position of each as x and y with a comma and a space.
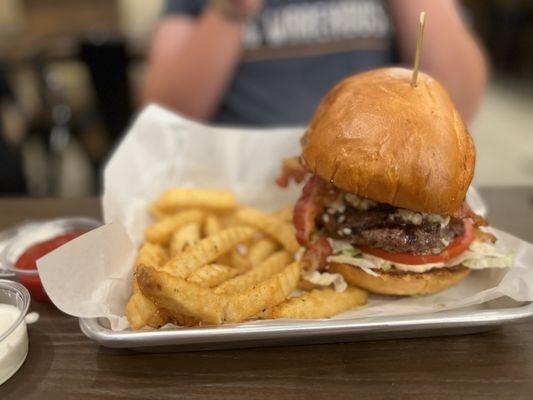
161, 231
265, 294
178, 198
211, 225
151, 254
285, 214
319, 303
184, 237
182, 297
212, 275
281, 231
206, 251
240, 262
140, 311
260, 250
272, 265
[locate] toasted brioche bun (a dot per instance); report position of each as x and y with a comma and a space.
376, 136
402, 283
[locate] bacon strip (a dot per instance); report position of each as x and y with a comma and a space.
305, 211
315, 194
485, 236
291, 169
466, 212
315, 257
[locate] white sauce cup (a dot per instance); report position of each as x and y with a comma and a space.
13, 336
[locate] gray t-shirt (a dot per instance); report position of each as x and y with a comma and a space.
295, 51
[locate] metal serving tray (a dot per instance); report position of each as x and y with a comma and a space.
463, 321
480, 318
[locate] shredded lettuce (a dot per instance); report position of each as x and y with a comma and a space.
480, 255
351, 252
360, 262
490, 262
343, 247
386, 266
485, 255
485, 248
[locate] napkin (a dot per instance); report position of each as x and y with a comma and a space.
91, 275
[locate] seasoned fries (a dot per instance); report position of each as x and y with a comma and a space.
140, 311
261, 250
319, 303
184, 298
211, 225
184, 237
161, 231
266, 294
179, 296
266, 269
212, 275
178, 198
151, 254
206, 251
282, 231
239, 261
208, 260
285, 214
157, 213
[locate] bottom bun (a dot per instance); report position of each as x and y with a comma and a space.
399, 283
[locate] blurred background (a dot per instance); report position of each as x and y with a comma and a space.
71, 72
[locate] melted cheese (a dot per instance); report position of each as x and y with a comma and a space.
359, 203
416, 218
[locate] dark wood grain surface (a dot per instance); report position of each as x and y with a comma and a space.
63, 364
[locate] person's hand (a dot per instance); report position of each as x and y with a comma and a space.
238, 9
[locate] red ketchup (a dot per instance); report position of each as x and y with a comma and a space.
27, 261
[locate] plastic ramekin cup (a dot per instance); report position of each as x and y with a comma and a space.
33, 233
14, 338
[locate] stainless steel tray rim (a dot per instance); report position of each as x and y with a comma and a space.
314, 328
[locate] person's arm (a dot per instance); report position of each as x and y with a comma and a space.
450, 53
192, 60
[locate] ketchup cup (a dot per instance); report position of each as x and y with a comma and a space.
34, 240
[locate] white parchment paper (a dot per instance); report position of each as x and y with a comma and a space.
90, 276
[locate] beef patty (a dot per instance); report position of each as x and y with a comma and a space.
376, 228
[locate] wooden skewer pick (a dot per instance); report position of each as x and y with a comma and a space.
418, 48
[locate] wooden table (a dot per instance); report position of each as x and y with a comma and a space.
62, 363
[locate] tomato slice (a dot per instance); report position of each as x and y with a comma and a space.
455, 248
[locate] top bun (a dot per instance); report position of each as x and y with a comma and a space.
376, 136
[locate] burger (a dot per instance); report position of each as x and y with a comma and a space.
388, 166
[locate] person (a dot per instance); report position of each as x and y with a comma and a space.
269, 62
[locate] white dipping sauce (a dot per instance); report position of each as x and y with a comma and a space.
14, 348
